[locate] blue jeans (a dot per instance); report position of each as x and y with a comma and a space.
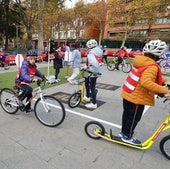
90, 84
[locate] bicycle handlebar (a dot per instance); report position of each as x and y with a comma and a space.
91, 73
162, 95
39, 81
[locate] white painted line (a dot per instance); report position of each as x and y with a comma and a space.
90, 117
93, 118
97, 119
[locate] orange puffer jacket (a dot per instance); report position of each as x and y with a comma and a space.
147, 86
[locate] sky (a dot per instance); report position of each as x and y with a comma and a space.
71, 4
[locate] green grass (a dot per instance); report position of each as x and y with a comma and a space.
7, 79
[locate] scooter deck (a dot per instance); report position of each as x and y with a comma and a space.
117, 139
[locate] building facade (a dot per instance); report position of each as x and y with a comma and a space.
140, 30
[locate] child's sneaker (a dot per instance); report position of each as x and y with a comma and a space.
121, 134
91, 105
129, 140
29, 110
86, 99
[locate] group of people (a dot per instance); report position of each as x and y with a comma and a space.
150, 82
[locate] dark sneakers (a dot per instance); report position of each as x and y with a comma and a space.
131, 140
29, 110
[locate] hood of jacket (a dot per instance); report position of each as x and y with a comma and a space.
141, 60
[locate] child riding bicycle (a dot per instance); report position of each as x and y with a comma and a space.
121, 54
26, 76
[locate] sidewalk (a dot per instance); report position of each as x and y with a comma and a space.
27, 144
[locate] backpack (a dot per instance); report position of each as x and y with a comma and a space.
133, 78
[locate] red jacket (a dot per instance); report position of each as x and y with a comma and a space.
121, 53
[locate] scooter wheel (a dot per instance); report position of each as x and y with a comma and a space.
74, 100
91, 126
165, 146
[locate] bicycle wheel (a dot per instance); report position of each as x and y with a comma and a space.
111, 66
8, 101
74, 100
49, 111
91, 126
126, 68
6, 66
165, 146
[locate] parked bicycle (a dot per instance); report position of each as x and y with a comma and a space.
125, 65
48, 109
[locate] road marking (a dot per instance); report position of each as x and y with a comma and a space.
93, 118
97, 119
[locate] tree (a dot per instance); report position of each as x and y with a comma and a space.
8, 20
78, 19
130, 12
97, 17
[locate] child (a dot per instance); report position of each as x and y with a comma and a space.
27, 75
94, 66
149, 84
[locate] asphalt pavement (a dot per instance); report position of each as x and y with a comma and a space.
27, 144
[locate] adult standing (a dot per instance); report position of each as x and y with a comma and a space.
75, 62
57, 63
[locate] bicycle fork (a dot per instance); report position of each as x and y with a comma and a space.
44, 103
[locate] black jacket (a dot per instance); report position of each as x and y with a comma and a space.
57, 62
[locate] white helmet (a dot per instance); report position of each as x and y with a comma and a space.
91, 43
156, 47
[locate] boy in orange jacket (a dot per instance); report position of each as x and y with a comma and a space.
150, 83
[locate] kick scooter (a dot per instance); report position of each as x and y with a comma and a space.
78, 96
96, 130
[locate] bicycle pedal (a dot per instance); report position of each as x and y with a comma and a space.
22, 107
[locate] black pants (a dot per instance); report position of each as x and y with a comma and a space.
104, 58
119, 62
57, 71
132, 114
90, 84
27, 93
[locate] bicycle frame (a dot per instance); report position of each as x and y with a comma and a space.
37, 91
165, 125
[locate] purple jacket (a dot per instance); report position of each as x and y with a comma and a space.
28, 72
